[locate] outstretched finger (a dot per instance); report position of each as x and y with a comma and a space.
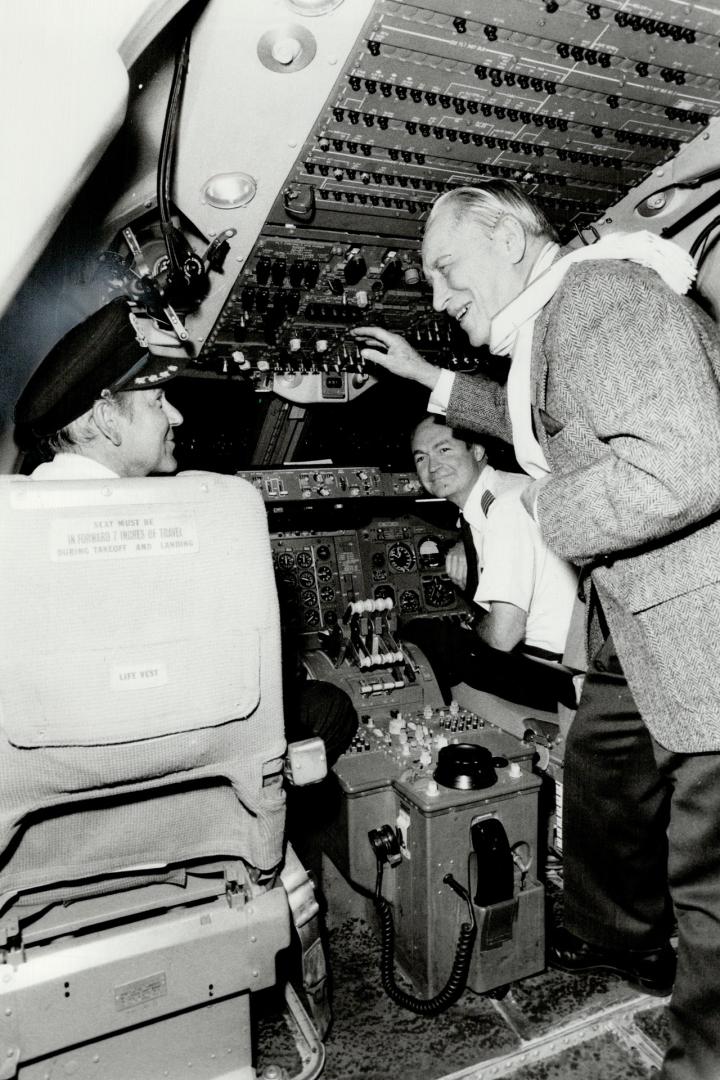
375, 334
375, 356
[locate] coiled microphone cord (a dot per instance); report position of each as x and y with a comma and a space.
457, 979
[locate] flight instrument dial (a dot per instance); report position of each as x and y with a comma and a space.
401, 557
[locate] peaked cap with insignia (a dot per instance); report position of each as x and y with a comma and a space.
105, 352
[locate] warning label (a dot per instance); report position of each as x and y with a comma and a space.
108, 537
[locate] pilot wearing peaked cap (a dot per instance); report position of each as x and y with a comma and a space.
97, 402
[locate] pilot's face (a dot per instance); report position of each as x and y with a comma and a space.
146, 426
447, 467
470, 272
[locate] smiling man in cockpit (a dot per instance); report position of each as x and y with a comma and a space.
521, 595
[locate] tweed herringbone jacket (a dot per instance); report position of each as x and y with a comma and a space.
626, 405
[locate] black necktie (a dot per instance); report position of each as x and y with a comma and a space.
472, 560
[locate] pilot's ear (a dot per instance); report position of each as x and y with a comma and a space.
478, 452
510, 234
105, 413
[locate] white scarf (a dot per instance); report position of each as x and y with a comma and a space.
511, 330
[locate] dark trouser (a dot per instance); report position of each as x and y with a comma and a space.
615, 814
456, 655
318, 708
621, 789
311, 709
694, 871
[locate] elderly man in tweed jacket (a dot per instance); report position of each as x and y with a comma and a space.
613, 406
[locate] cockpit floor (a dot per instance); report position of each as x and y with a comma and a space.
551, 1026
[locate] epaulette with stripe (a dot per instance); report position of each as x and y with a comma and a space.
486, 500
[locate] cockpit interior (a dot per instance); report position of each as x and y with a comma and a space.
254, 177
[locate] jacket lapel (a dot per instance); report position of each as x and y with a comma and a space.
542, 422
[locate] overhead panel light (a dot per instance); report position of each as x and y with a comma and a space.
655, 203
228, 191
313, 7
674, 193
286, 48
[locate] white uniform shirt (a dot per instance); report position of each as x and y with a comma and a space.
496, 482
440, 396
516, 566
73, 467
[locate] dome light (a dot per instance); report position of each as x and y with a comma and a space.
313, 7
228, 191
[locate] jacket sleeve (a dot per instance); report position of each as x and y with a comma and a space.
478, 404
633, 367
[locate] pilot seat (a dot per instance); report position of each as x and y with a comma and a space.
145, 887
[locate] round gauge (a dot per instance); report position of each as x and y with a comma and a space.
306, 579
429, 555
304, 558
324, 573
378, 558
438, 591
311, 618
383, 592
409, 601
309, 599
323, 552
327, 594
287, 577
286, 559
401, 557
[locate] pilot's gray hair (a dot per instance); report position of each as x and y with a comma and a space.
82, 431
486, 204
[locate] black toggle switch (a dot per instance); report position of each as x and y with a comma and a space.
262, 270
355, 269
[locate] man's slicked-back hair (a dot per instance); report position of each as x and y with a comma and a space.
488, 201
457, 433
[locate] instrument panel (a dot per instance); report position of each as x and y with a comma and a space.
578, 103
400, 559
293, 306
319, 482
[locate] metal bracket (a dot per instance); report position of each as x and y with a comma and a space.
305, 913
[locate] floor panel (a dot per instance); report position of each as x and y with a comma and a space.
552, 1026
